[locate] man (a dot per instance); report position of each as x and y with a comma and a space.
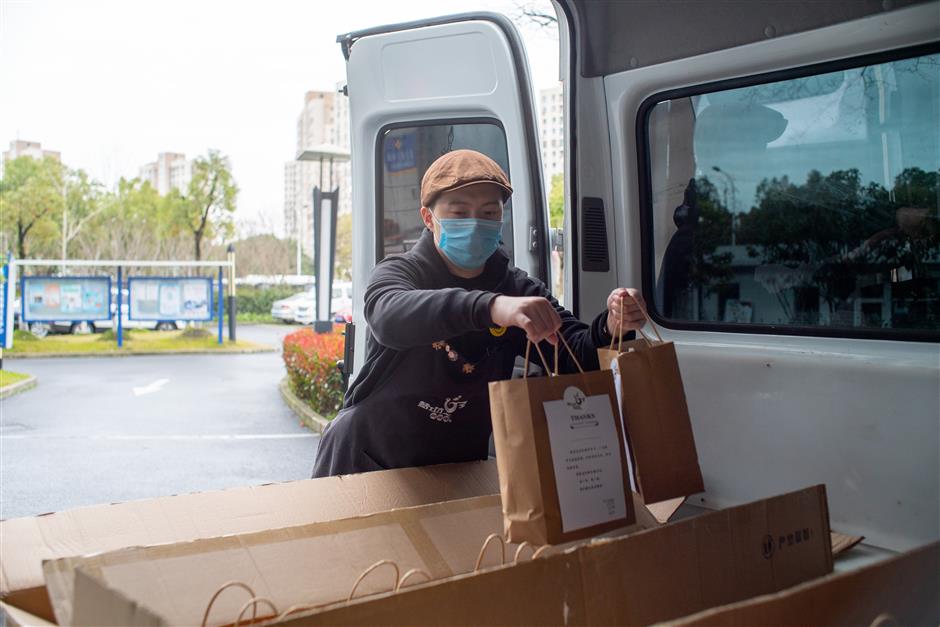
446, 318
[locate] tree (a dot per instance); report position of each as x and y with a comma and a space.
556, 202
205, 211
83, 203
133, 222
263, 254
344, 243
537, 13
914, 187
30, 194
832, 230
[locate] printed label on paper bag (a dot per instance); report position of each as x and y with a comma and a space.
586, 458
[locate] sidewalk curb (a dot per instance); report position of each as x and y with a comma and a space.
19, 386
219, 351
310, 419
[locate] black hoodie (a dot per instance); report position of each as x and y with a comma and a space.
413, 300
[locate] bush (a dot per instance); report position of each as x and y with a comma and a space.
196, 333
110, 335
311, 359
258, 300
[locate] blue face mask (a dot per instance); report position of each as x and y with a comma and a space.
469, 242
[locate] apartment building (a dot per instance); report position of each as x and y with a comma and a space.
171, 170
324, 119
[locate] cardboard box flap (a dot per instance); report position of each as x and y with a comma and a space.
25, 542
716, 558
94, 607
665, 510
713, 559
901, 590
475, 600
283, 564
15, 617
316, 563
842, 542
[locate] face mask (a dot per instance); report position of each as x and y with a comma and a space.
469, 242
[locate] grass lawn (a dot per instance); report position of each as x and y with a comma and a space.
255, 318
9, 378
136, 341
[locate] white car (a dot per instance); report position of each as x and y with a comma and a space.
285, 309
341, 300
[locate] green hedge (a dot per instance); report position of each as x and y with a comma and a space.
258, 300
310, 359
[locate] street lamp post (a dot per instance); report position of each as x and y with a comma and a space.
232, 303
733, 207
325, 208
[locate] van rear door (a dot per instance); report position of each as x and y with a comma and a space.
768, 172
421, 89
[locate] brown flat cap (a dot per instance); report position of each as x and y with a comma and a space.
458, 169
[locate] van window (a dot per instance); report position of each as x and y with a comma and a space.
806, 203
406, 152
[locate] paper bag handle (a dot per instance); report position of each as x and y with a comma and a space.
313, 606
220, 590
536, 551
486, 543
619, 328
253, 604
619, 338
366, 572
551, 372
406, 576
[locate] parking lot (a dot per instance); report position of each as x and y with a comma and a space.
109, 429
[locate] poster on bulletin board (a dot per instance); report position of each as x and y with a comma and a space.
170, 298
48, 298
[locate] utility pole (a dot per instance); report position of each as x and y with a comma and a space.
232, 303
732, 208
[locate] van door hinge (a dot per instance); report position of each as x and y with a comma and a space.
533, 239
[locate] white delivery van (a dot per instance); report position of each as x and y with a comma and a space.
765, 171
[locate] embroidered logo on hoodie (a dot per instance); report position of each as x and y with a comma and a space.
443, 414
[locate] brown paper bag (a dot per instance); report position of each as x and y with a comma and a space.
560, 456
660, 443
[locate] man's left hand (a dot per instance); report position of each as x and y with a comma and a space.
625, 306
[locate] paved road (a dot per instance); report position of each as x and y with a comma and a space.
100, 430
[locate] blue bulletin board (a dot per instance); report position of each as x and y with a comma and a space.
169, 298
48, 298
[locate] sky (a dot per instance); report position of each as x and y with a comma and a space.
110, 84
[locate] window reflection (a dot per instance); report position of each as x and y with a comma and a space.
812, 201
406, 155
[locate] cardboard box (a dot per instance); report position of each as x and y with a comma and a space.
311, 564
26, 542
653, 575
902, 590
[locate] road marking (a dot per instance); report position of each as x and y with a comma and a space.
150, 389
239, 436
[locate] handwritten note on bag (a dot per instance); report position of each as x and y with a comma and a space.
586, 459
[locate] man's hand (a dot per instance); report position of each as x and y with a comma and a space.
533, 314
625, 304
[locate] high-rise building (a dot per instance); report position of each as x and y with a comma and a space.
21, 148
552, 126
324, 119
171, 170
292, 198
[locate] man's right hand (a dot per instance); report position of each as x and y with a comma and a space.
533, 314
